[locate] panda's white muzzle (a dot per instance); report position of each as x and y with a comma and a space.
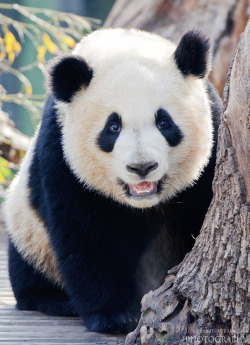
142, 170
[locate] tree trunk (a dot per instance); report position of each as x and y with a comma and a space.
223, 21
206, 299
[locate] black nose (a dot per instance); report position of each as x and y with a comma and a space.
142, 169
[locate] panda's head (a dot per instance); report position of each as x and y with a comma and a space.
134, 113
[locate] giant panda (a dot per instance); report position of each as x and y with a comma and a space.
118, 178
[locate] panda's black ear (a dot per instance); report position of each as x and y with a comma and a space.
66, 75
192, 55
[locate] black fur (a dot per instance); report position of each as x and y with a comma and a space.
107, 138
68, 74
98, 242
171, 131
192, 54
34, 292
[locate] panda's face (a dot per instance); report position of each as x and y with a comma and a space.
139, 132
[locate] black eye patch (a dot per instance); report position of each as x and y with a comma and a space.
168, 127
108, 136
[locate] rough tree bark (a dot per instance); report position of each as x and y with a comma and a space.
206, 299
223, 21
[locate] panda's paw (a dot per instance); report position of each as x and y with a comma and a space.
120, 322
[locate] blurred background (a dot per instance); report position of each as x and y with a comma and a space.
28, 54
31, 32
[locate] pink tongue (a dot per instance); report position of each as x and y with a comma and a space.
140, 187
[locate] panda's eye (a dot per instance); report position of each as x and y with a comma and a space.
115, 127
163, 124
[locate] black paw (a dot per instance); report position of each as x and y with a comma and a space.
120, 322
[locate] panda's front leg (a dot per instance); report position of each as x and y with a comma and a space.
99, 293
98, 281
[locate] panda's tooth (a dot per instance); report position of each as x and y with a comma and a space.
143, 188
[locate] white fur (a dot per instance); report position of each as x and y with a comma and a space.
24, 226
135, 75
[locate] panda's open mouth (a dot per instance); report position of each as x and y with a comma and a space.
143, 188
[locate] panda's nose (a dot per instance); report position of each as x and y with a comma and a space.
142, 169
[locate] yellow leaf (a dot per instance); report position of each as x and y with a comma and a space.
29, 90
9, 38
41, 51
3, 163
11, 56
69, 41
2, 178
11, 45
8, 48
21, 153
17, 47
51, 46
1, 40
9, 42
